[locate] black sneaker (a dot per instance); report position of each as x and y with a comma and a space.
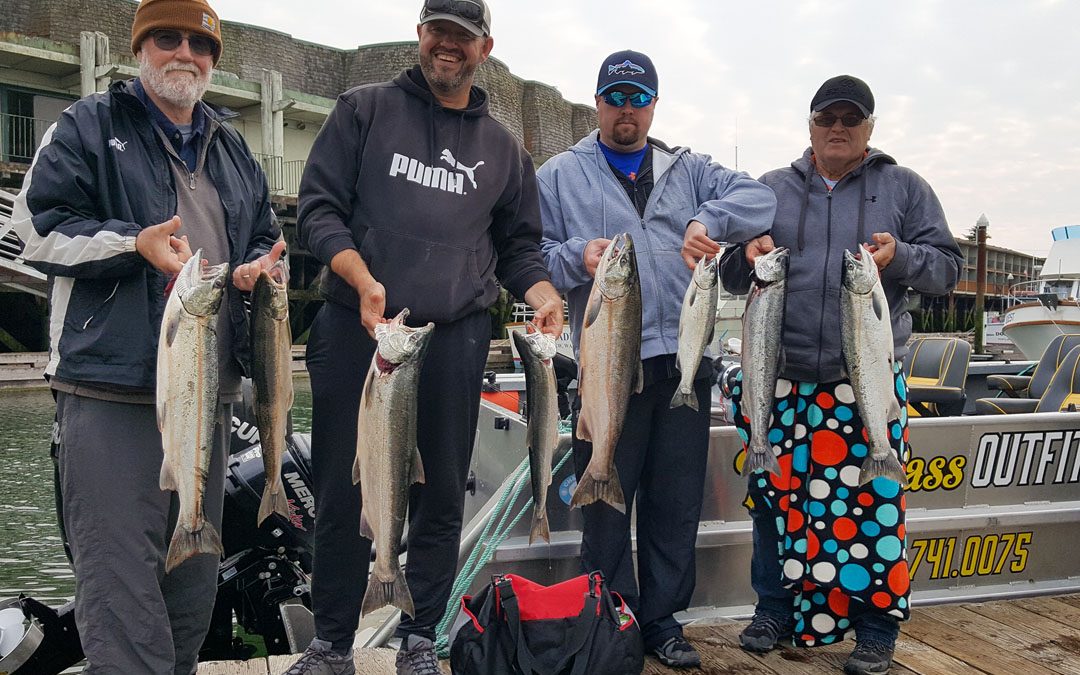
870, 657
763, 633
676, 652
320, 659
417, 657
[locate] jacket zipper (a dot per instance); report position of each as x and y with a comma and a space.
104, 302
825, 294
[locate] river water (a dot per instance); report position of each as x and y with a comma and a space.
32, 559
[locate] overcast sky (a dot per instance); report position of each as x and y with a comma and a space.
982, 98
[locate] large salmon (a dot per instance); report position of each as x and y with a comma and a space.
271, 379
187, 401
610, 371
387, 458
867, 345
763, 320
542, 434
697, 319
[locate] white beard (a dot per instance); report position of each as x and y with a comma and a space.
181, 91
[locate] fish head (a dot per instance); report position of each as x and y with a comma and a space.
617, 271
200, 287
399, 343
860, 272
271, 293
772, 266
705, 273
542, 345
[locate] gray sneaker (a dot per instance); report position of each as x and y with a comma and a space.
320, 659
417, 657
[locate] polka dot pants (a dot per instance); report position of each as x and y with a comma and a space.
842, 548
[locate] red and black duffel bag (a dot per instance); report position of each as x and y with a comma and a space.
517, 626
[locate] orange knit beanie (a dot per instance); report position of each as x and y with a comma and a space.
195, 16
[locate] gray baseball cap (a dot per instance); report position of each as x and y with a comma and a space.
473, 15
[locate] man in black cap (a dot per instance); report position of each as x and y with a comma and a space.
829, 554
414, 197
672, 201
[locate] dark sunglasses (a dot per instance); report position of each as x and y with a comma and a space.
466, 9
847, 119
169, 40
618, 99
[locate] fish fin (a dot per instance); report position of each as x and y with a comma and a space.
889, 467
685, 398
894, 409
186, 545
416, 473
365, 526
273, 501
591, 490
760, 461
167, 481
172, 325
640, 377
365, 394
540, 527
382, 593
582, 430
356, 470
875, 302
162, 408
711, 333
592, 308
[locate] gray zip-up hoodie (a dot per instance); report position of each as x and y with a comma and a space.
581, 200
817, 225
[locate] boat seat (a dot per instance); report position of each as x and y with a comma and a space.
1034, 386
936, 369
1063, 393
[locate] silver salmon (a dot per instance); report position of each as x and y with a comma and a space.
187, 401
763, 320
387, 459
542, 434
610, 370
271, 379
697, 319
867, 346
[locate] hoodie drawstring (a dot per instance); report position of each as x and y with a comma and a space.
599, 183
861, 232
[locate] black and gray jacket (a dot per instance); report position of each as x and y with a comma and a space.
439, 202
100, 176
818, 225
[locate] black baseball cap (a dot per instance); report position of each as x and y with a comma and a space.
473, 15
843, 88
627, 67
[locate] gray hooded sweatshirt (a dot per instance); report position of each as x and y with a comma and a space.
817, 225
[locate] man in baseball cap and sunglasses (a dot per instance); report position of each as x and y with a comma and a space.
125, 185
618, 179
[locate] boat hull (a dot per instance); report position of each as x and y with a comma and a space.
1031, 326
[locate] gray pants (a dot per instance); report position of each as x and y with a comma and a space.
132, 617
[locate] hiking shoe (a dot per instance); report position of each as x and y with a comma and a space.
320, 659
870, 657
763, 633
417, 657
676, 652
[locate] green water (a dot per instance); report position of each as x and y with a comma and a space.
32, 559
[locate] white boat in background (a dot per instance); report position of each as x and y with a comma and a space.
1039, 310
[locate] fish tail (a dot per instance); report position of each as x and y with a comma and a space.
540, 527
887, 467
760, 460
687, 398
273, 501
382, 593
187, 544
592, 489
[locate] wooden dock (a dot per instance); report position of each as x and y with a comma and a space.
1032, 636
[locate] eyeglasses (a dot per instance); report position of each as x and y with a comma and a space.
850, 119
466, 9
169, 40
618, 99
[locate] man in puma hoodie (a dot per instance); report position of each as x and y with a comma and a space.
414, 197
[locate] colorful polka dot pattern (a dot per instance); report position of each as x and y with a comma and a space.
842, 547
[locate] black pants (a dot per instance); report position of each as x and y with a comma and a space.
661, 458
338, 355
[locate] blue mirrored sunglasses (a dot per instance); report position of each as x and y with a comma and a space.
618, 99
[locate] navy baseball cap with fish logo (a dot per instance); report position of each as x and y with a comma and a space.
627, 67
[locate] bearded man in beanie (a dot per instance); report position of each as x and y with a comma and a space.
125, 185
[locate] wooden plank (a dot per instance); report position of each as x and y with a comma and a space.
919, 657
368, 661
250, 667
1073, 600
1051, 608
1051, 643
718, 644
957, 641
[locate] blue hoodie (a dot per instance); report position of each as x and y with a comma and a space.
581, 200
